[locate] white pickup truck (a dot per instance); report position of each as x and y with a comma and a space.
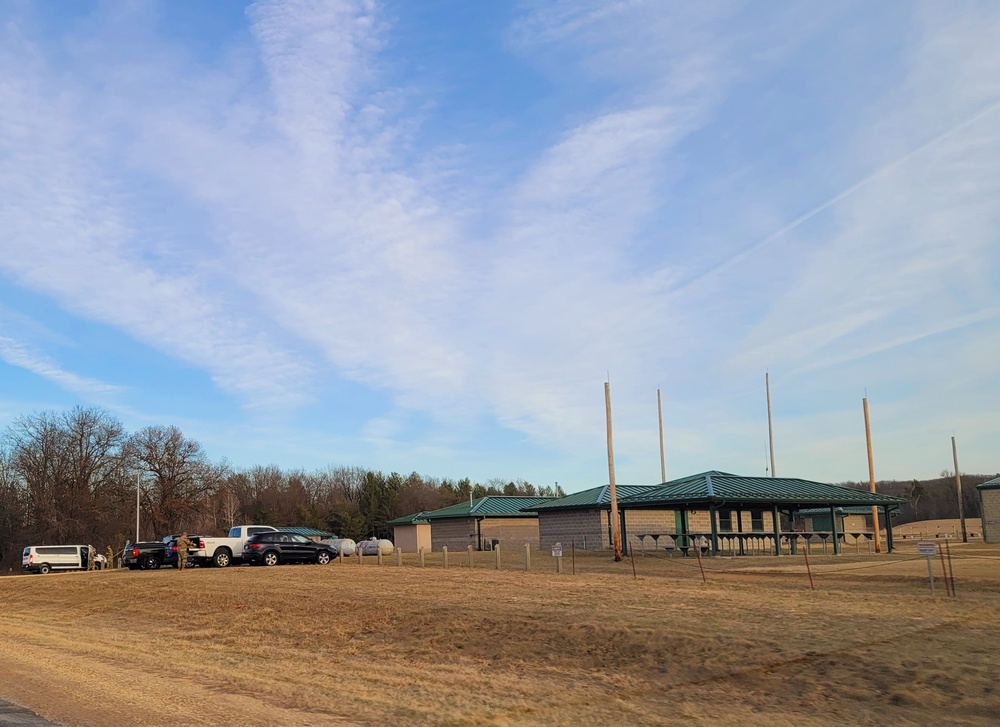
223, 552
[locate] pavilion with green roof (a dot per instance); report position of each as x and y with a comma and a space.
721, 493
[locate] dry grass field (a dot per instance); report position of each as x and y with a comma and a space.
382, 645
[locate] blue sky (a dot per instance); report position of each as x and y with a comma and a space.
419, 236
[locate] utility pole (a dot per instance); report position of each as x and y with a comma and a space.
659, 412
958, 487
871, 478
770, 429
138, 475
616, 536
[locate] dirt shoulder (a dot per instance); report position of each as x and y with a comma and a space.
348, 644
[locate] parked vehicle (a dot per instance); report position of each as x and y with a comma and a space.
144, 556
46, 558
223, 552
277, 547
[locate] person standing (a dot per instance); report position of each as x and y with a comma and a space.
111, 558
183, 546
91, 557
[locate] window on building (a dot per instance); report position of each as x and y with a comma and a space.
756, 520
726, 521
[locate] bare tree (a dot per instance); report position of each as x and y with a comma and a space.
176, 475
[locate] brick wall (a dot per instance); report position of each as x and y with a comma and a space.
587, 528
511, 531
459, 533
991, 515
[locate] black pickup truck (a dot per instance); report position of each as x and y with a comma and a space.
144, 556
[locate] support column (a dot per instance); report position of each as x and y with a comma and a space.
776, 522
739, 529
836, 535
712, 515
888, 530
624, 532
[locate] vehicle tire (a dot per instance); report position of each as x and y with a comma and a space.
270, 558
222, 558
44, 568
323, 557
150, 562
133, 567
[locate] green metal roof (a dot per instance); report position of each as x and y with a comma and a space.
416, 518
307, 532
849, 510
489, 506
717, 488
993, 484
595, 497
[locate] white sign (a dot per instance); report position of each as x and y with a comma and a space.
557, 550
926, 548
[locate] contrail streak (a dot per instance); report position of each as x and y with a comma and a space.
838, 197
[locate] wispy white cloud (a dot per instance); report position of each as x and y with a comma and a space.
311, 235
23, 356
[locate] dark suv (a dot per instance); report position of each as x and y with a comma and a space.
274, 548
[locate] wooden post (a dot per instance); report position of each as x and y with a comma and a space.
558, 564
697, 551
776, 523
378, 557
361, 556
471, 562
527, 557
444, 553
340, 556
770, 430
659, 413
808, 569
573, 555
871, 479
836, 534
616, 539
496, 555
944, 571
399, 556
958, 487
420, 556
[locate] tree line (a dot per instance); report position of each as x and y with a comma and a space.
73, 477
933, 499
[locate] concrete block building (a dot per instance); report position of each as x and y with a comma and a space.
989, 497
411, 533
508, 521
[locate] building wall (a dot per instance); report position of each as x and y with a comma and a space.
412, 537
457, 533
587, 529
460, 533
991, 515
510, 531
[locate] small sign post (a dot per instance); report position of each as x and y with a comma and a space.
928, 550
557, 554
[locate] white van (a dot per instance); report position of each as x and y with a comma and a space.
45, 558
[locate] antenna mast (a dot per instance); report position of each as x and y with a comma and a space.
616, 536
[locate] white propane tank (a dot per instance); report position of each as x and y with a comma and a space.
343, 545
374, 547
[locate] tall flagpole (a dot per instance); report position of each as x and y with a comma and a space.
871, 480
770, 430
958, 486
659, 412
616, 536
